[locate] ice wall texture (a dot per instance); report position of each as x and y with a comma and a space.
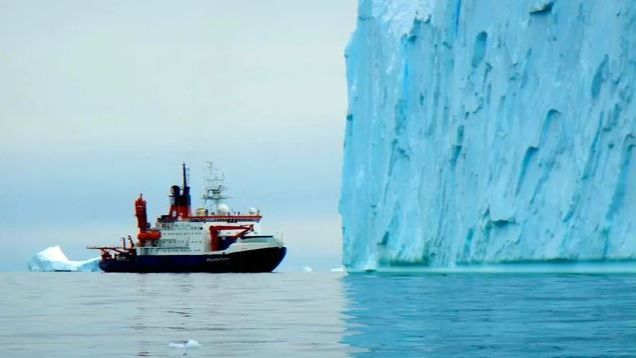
490, 131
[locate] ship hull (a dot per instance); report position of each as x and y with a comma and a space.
258, 260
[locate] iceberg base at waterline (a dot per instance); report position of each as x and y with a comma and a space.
53, 259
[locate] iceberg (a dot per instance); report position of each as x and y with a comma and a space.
485, 132
53, 259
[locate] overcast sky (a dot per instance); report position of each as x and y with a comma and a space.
102, 100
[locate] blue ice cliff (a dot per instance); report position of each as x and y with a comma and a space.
487, 131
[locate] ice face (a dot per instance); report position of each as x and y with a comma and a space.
484, 132
53, 259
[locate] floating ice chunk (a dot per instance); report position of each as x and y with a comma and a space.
338, 269
53, 259
190, 343
307, 269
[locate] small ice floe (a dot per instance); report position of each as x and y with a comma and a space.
338, 269
307, 269
190, 343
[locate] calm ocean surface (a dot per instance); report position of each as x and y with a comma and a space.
317, 314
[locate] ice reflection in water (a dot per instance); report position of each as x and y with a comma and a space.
481, 314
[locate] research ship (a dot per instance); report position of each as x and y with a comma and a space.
213, 239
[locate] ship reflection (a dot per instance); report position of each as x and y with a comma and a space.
156, 314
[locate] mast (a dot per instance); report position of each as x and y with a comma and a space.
213, 195
186, 201
185, 177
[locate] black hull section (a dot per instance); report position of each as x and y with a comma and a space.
259, 260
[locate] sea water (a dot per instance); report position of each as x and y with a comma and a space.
423, 314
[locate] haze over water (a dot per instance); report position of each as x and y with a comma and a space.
318, 314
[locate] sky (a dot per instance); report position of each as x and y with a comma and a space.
103, 100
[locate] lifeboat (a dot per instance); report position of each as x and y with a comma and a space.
149, 235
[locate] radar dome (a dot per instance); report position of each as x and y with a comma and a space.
223, 209
253, 211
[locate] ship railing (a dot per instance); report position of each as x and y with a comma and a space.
226, 219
